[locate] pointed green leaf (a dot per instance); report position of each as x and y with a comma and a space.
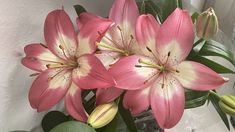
213, 48
149, 7
194, 16
195, 98
79, 9
168, 6
214, 98
72, 126
127, 117
193, 56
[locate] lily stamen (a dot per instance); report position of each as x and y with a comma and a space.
63, 51
110, 47
156, 58
121, 33
109, 39
149, 64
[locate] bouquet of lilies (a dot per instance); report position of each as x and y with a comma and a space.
145, 56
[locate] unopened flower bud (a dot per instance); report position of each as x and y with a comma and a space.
102, 115
227, 104
207, 24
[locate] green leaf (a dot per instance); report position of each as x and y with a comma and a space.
149, 7
194, 16
52, 119
195, 98
214, 98
211, 64
73, 126
213, 48
168, 6
126, 116
79, 9
18, 131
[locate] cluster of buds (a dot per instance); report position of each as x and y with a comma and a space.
207, 24
103, 115
227, 104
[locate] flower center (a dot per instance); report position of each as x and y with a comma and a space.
122, 46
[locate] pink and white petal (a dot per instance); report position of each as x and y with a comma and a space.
91, 33
130, 76
73, 103
167, 101
146, 32
84, 18
60, 34
91, 73
124, 11
108, 58
38, 56
49, 88
107, 95
137, 101
197, 76
176, 36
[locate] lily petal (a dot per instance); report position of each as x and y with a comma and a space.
124, 11
91, 33
176, 37
73, 103
60, 34
108, 58
84, 18
137, 100
91, 70
49, 88
38, 56
107, 95
129, 75
196, 76
167, 101
146, 32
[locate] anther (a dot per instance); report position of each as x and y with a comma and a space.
43, 45
162, 86
119, 28
48, 65
177, 71
132, 37
149, 49
61, 47
34, 74
139, 66
169, 53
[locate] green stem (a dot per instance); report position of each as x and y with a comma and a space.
214, 93
126, 116
179, 4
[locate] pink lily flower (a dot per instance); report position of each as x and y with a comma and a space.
119, 41
158, 78
66, 64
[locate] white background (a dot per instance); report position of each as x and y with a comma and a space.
21, 23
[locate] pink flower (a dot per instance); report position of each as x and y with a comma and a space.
119, 41
158, 77
66, 64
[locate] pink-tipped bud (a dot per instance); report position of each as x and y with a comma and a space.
207, 24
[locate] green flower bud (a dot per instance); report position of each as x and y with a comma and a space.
102, 115
227, 104
207, 24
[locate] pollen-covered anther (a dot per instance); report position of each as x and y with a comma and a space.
34, 74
